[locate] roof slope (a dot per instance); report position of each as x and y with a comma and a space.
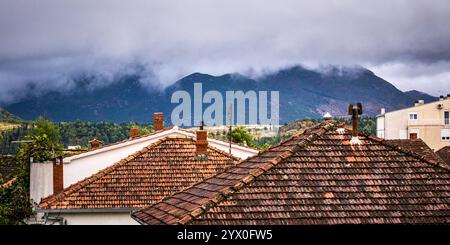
418, 146
158, 170
315, 178
444, 154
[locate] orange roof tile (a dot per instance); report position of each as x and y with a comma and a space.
160, 169
444, 154
317, 177
416, 145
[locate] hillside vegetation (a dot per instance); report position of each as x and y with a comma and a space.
302, 92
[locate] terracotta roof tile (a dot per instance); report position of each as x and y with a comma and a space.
161, 169
317, 178
418, 146
444, 154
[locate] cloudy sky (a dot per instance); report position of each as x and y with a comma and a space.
48, 43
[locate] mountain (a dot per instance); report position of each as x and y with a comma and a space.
303, 93
417, 95
6, 116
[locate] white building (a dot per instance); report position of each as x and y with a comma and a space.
429, 122
54, 177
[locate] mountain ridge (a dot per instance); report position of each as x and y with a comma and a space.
303, 93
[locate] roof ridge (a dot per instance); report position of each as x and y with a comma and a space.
447, 147
94, 177
221, 140
406, 151
209, 146
226, 191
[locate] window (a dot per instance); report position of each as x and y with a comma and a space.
445, 134
447, 117
413, 136
413, 116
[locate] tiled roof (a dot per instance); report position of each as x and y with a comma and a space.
9, 182
151, 134
317, 177
418, 146
444, 154
158, 170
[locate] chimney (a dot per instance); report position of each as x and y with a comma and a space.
355, 111
134, 132
201, 144
421, 102
95, 144
58, 184
448, 96
441, 97
383, 111
158, 121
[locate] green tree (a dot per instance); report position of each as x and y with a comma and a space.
44, 127
241, 135
14, 202
42, 145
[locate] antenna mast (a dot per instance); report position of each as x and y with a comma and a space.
230, 118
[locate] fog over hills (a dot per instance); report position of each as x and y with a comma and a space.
303, 93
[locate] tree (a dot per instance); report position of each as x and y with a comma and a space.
14, 202
42, 145
241, 135
44, 127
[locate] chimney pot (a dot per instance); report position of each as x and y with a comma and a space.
355, 111
383, 111
95, 143
58, 184
158, 121
134, 132
201, 143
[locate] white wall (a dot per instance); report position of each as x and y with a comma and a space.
98, 218
236, 150
41, 180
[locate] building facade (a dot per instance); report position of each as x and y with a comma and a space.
429, 122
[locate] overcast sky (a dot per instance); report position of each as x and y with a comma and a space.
47, 43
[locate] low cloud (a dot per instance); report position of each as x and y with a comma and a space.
46, 44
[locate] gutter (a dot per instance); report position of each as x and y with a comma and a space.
87, 210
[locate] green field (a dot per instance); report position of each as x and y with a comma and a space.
8, 126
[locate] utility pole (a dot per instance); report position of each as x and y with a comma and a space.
230, 121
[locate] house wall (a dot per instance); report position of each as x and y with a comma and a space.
97, 218
41, 180
430, 121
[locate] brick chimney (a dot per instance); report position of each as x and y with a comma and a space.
95, 144
201, 143
158, 121
134, 132
58, 177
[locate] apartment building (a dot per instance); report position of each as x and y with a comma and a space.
427, 121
